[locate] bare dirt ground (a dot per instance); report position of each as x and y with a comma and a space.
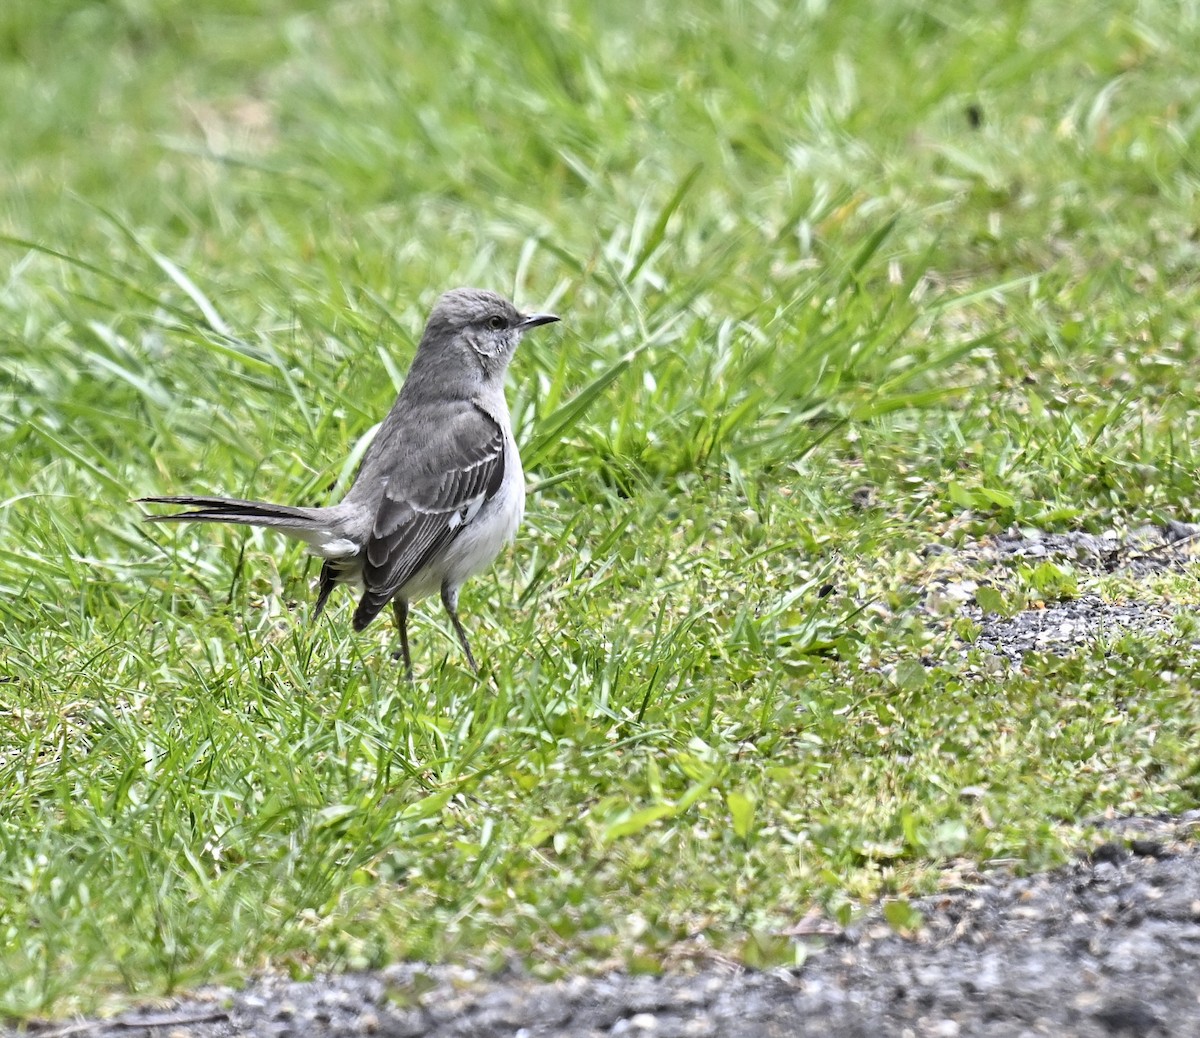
1106, 946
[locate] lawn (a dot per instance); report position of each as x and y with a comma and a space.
838, 282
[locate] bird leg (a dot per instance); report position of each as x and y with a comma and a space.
400, 609
450, 601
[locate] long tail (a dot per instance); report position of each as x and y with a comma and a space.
308, 524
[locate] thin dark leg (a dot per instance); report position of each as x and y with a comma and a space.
400, 609
450, 601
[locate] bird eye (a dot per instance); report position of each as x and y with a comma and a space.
496, 322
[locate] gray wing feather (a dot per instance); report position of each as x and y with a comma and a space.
423, 511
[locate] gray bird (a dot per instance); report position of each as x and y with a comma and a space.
440, 490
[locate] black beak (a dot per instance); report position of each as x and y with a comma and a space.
533, 320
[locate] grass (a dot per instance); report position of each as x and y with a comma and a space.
839, 281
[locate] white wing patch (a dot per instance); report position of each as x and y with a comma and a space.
465, 514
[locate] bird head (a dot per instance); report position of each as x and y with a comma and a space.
483, 322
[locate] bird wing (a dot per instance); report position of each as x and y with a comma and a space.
429, 502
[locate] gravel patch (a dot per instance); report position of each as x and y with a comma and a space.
1106, 946
1065, 627
1138, 552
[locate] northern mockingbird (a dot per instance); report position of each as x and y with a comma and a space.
440, 490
